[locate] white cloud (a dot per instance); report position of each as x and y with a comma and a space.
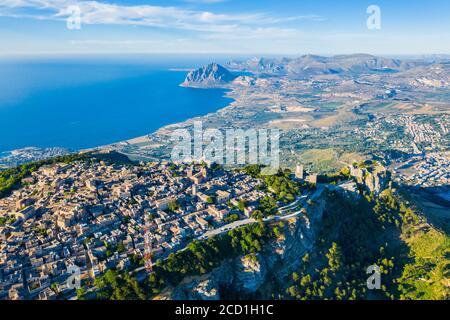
95, 12
205, 31
205, 1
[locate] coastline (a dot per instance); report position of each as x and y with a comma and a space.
147, 138
117, 146
174, 105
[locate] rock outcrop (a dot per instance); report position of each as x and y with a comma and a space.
251, 272
374, 177
212, 75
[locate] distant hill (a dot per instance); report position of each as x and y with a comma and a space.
212, 75
310, 65
113, 157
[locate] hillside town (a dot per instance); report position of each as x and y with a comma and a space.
89, 216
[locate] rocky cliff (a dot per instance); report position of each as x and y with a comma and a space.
254, 276
246, 276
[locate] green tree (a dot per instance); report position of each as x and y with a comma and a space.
334, 256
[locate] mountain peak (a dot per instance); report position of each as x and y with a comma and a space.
212, 75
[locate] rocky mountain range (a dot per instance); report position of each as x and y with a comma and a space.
309, 65
431, 73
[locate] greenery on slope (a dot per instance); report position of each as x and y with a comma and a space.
284, 190
198, 258
414, 258
113, 285
427, 276
11, 179
281, 185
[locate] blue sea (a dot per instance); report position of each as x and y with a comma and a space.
83, 102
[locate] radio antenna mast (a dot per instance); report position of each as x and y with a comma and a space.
147, 245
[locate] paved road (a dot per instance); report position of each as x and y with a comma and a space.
237, 224
227, 228
282, 210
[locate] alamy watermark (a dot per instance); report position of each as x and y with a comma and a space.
73, 21
231, 147
374, 20
74, 280
374, 280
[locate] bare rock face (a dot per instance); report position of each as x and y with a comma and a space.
247, 275
212, 75
207, 290
205, 287
202, 289
251, 273
375, 178
377, 181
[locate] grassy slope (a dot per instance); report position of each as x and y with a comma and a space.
428, 275
414, 256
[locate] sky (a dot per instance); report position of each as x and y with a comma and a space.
275, 27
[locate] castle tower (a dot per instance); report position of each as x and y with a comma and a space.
299, 172
312, 178
190, 172
204, 172
147, 245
